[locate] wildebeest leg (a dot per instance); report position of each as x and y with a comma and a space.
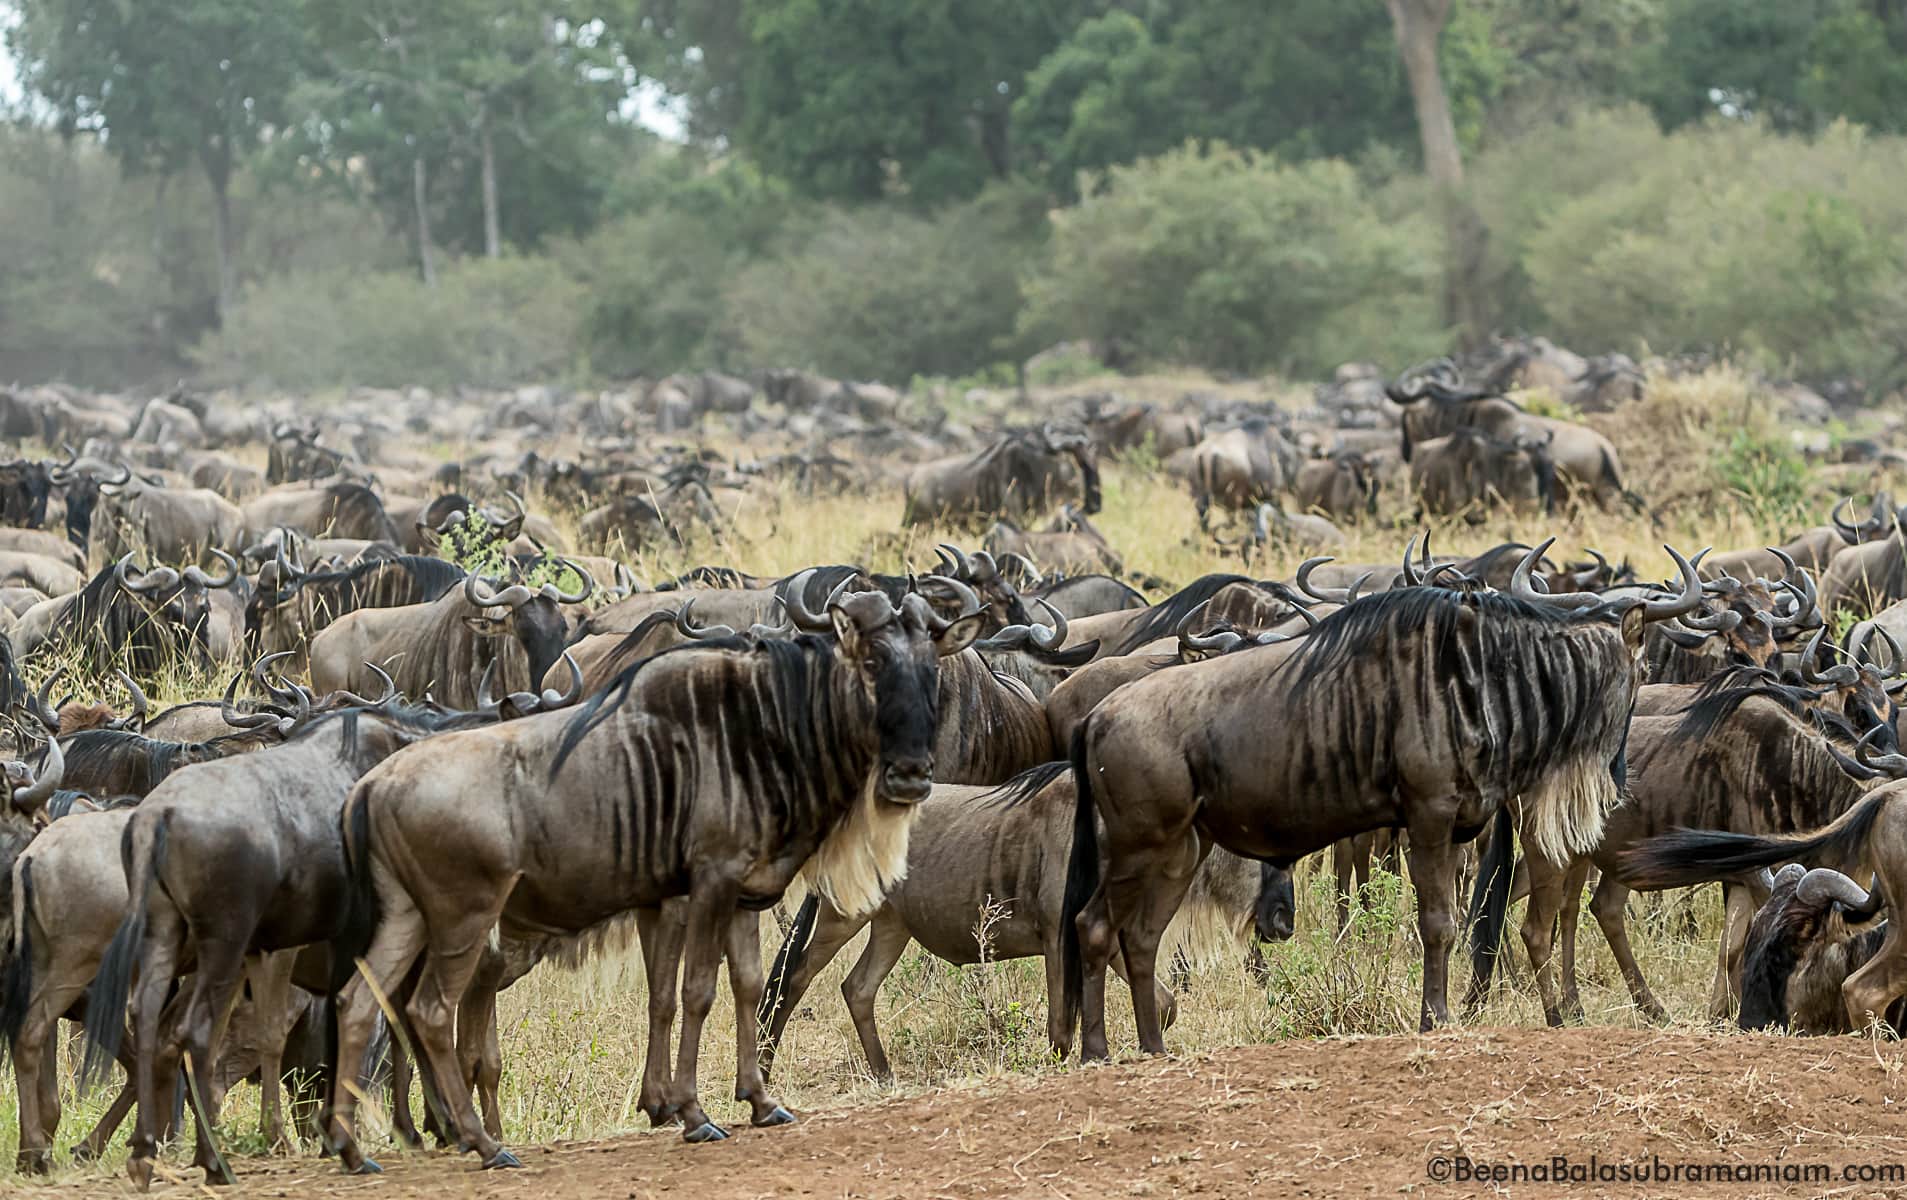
1433, 873
157, 962
36, 1076
711, 907
886, 942
1610, 905
399, 940
1738, 905
1568, 923
214, 988
94, 1144
490, 1073
270, 978
403, 1121
1149, 903
661, 932
745, 981
831, 932
476, 1030
1874, 988
1539, 920
455, 949
1096, 946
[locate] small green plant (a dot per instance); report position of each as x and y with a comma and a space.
1770, 479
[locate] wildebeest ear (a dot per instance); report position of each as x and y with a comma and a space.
486, 626
1634, 624
846, 633
426, 535
957, 636
509, 529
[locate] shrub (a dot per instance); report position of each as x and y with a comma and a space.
1231, 260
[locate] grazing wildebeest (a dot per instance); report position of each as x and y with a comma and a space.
1813, 932
1869, 838
1020, 476
236, 857
973, 848
1342, 486
1469, 472
1241, 468
443, 647
1421, 708
712, 773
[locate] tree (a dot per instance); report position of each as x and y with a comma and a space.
184, 82
1418, 25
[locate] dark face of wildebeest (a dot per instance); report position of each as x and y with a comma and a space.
1800, 949
1276, 909
895, 652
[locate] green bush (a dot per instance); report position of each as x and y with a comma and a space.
1231, 260
878, 293
487, 323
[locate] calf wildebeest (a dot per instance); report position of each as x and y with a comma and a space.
299, 605
1811, 934
235, 857
976, 848
442, 648
712, 773
1420, 708
1021, 476
1469, 471
1870, 837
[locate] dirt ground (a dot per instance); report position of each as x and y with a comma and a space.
1367, 1116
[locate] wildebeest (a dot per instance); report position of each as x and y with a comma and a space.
1241, 468
1470, 471
299, 605
140, 619
1436, 405
24, 490
1422, 708
1814, 931
1069, 543
170, 524
442, 648
1342, 485
713, 773
1812, 550
337, 510
230, 858
1870, 837
973, 849
1020, 476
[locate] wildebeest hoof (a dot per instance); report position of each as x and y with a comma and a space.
665, 1114
84, 1153
707, 1131
501, 1160
139, 1170
367, 1167
776, 1116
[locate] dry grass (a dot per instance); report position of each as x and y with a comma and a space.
573, 1042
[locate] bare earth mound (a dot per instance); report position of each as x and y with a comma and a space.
1374, 1116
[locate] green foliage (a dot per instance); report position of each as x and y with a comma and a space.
886, 294
1227, 259
1767, 476
493, 323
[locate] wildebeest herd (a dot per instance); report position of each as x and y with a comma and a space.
438, 732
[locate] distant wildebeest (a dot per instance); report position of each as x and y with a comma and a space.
142, 620
1812, 550
734, 763
1389, 717
1129, 426
1069, 544
1342, 486
1469, 471
1436, 405
1241, 468
170, 524
336, 510
982, 864
1021, 476
295, 455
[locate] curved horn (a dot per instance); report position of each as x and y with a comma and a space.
1836, 676
390, 690
195, 575
1849, 533
793, 595
484, 703
685, 625
969, 602
1725, 621
1411, 576
123, 573
1357, 587
1825, 883
1521, 588
963, 566
1892, 765
1685, 638
1044, 638
782, 627
551, 698
44, 711
259, 676
46, 780
477, 591
1690, 598
232, 715
140, 707
1303, 582
557, 594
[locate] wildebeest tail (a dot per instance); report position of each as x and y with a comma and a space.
1082, 880
1690, 856
788, 960
1490, 901
362, 911
16, 972
112, 983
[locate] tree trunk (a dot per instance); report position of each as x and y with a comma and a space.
1418, 24
420, 196
219, 174
492, 235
